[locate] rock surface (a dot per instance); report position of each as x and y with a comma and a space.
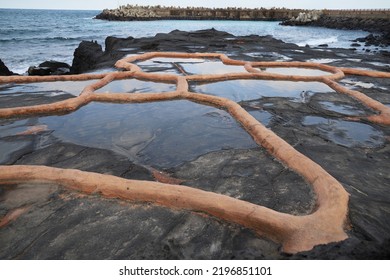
4, 71
49, 67
48, 222
87, 56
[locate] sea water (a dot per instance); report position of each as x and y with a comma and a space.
30, 37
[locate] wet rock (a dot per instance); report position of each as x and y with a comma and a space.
113, 43
88, 56
50, 67
67, 155
4, 71
67, 225
236, 173
38, 71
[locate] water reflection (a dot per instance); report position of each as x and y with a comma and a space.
348, 134
341, 108
133, 85
46, 88
241, 90
295, 71
162, 134
188, 66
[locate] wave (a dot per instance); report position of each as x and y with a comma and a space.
46, 39
319, 41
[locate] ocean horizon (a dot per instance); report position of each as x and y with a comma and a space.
26, 41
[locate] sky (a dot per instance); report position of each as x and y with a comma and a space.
102, 4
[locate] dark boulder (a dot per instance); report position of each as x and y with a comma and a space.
50, 67
56, 67
4, 71
87, 56
38, 71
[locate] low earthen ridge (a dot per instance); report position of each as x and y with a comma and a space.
327, 223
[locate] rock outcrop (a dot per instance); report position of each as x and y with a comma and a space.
87, 56
4, 71
50, 67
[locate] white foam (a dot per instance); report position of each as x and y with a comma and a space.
319, 41
324, 60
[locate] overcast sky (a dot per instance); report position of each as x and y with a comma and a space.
101, 4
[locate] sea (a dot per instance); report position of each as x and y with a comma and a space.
30, 37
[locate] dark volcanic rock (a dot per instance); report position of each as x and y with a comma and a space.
87, 56
4, 71
349, 23
376, 40
38, 71
113, 43
50, 67
61, 224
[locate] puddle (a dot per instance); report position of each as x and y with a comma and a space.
151, 133
348, 134
8, 148
162, 60
295, 71
190, 66
133, 85
48, 88
168, 65
262, 116
243, 90
16, 95
341, 108
211, 67
274, 55
12, 128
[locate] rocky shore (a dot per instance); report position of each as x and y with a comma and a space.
318, 124
4, 71
380, 26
